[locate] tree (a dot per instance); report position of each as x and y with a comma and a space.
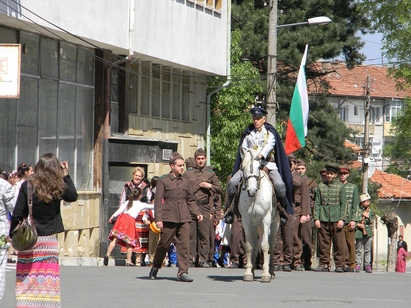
338, 37
399, 151
392, 19
230, 107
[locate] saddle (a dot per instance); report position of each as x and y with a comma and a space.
233, 207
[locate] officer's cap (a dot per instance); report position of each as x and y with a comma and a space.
258, 112
175, 156
332, 167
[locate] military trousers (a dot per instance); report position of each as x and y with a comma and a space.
349, 247
180, 232
327, 234
284, 239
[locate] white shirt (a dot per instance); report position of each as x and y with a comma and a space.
135, 209
262, 139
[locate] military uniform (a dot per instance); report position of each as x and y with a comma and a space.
363, 237
353, 214
329, 208
174, 205
204, 197
302, 207
306, 229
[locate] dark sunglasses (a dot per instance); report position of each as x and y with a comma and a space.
343, 173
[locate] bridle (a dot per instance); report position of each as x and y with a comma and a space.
252, 175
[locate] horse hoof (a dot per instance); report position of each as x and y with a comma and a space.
249, 278
272, 276
266, 279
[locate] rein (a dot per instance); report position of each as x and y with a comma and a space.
255, 176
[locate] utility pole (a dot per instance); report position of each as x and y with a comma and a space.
366, 158
272, 64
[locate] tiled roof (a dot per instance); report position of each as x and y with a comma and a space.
350, 82
393, 186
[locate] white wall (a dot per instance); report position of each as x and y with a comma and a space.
169, 32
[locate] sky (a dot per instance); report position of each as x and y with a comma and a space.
372, 49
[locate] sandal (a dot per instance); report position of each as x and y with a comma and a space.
129, 264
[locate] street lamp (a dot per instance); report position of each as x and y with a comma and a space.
272, 56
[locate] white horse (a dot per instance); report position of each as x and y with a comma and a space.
259, 217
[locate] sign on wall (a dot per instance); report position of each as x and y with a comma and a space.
10, 70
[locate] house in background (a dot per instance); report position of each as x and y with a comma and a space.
108, 86
348, 93
394, 194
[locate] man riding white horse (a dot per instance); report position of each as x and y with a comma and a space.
272, 155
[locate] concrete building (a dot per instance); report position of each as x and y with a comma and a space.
108, 86
347, 93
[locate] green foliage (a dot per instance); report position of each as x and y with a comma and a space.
230, 107
392, 18
399, 151
332, 40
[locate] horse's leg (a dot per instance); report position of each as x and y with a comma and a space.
248, 275
266, 277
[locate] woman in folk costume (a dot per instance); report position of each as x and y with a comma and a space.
142, 229
124, 232
38, 270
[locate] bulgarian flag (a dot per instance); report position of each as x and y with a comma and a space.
297, 122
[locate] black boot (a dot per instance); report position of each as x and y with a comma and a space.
283, 211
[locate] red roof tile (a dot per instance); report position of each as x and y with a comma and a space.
350, 82
393, 186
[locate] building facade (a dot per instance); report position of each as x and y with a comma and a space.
108, 86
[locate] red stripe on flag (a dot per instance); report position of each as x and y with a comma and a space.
292, 143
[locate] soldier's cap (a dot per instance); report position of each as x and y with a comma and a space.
258, 112
345, 169
332, 167
300, 162
190, 163
174, 157
291, 158
364, 197
323, 171
199, 152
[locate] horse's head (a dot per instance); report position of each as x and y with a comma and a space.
251, 172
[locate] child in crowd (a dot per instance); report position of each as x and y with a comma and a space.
363, 235
222, 242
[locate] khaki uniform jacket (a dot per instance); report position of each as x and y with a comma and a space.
204, 197
330, 202
174, 201
301, 196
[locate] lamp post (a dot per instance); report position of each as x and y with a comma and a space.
272, 56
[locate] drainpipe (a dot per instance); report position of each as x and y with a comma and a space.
228, 72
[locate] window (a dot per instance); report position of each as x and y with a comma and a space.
186, 96
166, 93
355, 110
156, 91
176, 103
145, 88
393, 110
344, 113
53, 114
375, 114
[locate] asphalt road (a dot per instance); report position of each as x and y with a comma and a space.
117, 286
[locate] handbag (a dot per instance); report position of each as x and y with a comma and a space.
25, 234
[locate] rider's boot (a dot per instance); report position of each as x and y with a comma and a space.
283, 211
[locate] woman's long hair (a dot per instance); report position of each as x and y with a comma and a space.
48, 178
135, 195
